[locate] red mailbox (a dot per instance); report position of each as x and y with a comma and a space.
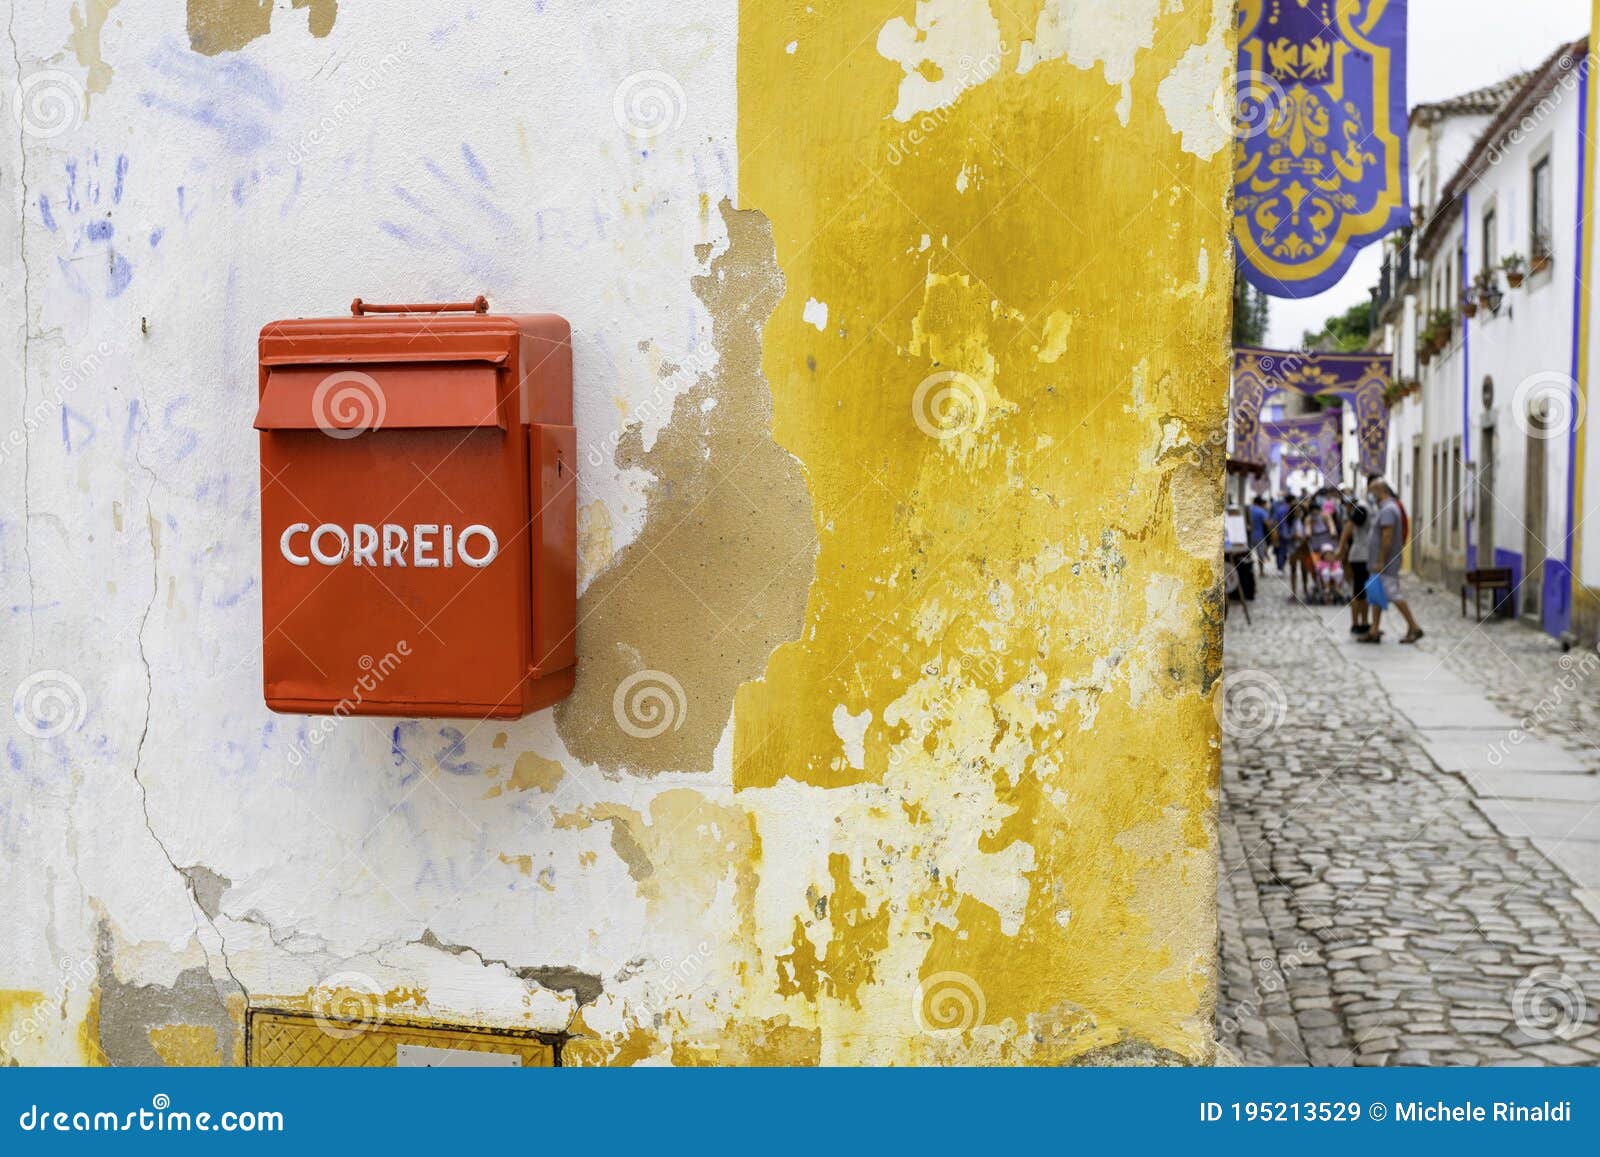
418, 512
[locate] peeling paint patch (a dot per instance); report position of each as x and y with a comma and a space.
595, 549
1197, 96
938, 52
128, 1011
531, 772
718, 576
816, 314
217, 26
185, 1044
1090, 32
88, 21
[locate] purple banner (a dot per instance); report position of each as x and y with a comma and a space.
1360, 378
1320, 167
1315, 440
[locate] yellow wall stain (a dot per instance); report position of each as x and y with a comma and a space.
23, 1020
523, 864
531, 772
594, 540
185, 1044
88, 21
681, 852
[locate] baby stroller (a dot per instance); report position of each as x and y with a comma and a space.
1329, 574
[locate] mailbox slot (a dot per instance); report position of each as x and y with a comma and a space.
354, 397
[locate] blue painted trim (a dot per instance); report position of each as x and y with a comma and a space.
1466, 362
1555, 614
1512, 559
1558, 609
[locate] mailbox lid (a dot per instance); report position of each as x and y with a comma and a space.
356, 397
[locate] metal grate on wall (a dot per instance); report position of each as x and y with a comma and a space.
290, 1039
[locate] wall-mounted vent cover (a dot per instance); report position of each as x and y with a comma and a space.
301, 1040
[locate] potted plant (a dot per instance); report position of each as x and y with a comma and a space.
1469, 305
1442, 325
1515, 267
1425, 352
1542, 255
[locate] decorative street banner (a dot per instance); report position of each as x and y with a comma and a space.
1361, 379
1315, 440
1320, 166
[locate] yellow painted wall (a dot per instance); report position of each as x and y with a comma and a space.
1019, 588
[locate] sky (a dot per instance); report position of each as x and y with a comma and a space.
1454, 46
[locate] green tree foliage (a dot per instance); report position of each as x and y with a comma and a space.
1344, 333
1249, 313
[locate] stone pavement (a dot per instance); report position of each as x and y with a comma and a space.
1410, 836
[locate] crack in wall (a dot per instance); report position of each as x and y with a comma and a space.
27, 315
144, 734
584, 986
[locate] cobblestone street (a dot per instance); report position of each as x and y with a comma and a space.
1410, 870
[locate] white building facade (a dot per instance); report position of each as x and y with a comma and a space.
1482, 449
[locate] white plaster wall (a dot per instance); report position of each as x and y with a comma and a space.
456, 151
1527, 348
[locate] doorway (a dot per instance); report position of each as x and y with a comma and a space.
1485, 512
1540, 425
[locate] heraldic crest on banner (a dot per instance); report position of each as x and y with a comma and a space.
1320, 166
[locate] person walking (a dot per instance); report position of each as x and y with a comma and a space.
1259, 535
1387, 541
1280, 536
1354, 540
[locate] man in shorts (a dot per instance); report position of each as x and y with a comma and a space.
1354, 540
1383, 550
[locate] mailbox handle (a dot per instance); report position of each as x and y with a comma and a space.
479, 304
